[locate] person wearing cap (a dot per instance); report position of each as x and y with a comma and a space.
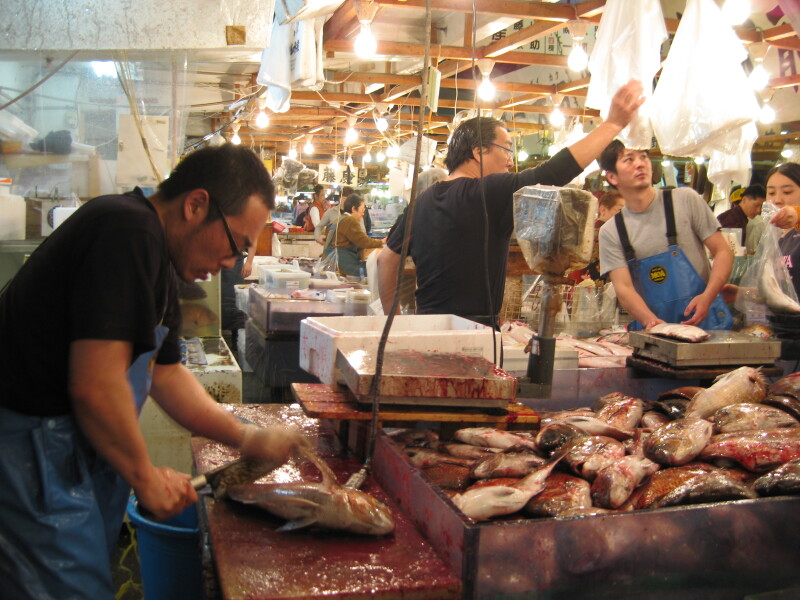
742, 212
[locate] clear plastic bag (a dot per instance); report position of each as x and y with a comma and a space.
628, 46
702, 95
724, 169
554, 227
766, 288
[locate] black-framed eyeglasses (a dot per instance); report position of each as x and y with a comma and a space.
234, 248
509, 150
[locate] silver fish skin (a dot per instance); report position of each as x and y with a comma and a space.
494, 438
685, 333
423, 458
591, 425
748, 417
744, 384
678, 442
466, 450
774, 298
713, 486
785, 480
756, 451
486, 502
653, 420
588, 455
326, 504
561, 493
614, 484
624, 413
512, 464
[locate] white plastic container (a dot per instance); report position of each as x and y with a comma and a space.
61, 214
12, 215
321, 338
287, 279
263, 270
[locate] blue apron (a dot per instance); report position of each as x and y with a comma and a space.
66, 502
667, 282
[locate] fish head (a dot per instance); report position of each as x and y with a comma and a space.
367, 514
787, 386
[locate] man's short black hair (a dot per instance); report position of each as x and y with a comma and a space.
351, 202
318, 188
609, 156
471, 134
755, 191
229, 173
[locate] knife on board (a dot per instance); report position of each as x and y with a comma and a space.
242, 470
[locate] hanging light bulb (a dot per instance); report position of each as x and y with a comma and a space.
351, 135
335, 164
308, 148
767, 115
262, 120
391, 163
292, 152
380, 156
787, 152
381, 124
486, 90
759, 76
236, 139
699, 160
367, 157
557, 117
393, 151
666, 163
522, 156
736, 11
365, 44
577, 59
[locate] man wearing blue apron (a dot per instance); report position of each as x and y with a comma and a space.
88, 327
654, 250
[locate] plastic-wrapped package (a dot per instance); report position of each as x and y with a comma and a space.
628, 46
725, 169
554, 227
766, 288
702, 95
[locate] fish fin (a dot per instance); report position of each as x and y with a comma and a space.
299, 524
328, 476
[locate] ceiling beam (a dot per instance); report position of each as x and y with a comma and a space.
508, 8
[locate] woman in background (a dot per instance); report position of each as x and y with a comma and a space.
783, 190
350, 238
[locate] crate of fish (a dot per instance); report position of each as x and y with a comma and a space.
685, 495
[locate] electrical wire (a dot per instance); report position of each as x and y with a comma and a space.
482, 187
40, 82
357, 479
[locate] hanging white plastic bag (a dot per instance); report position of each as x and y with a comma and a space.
725, 169
627, 46
702, 94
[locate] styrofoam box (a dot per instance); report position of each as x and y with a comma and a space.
289, 280
263, 270
321, 338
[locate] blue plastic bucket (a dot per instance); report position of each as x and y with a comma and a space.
169, 555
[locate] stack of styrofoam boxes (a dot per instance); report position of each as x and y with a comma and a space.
321, 338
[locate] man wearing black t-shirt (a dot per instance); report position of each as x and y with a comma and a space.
86, 325
447, 243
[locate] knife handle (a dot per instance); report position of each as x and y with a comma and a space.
199, 482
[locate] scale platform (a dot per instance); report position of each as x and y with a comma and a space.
723, 348
413, 378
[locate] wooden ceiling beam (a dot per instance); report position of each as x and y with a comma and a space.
508, 8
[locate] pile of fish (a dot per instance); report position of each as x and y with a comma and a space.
599, 352
738, 439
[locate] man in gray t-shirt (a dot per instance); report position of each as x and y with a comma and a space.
630, 172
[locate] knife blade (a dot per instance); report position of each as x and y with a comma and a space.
241, 470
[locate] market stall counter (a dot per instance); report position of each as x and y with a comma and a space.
252, 559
